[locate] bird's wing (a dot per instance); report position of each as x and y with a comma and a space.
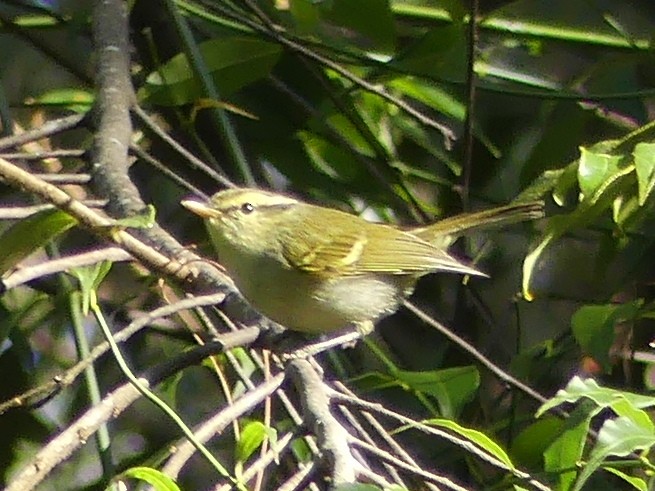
365, 248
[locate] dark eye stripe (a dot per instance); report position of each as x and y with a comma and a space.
247, 208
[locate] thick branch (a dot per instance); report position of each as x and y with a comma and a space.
332, 436
115, 96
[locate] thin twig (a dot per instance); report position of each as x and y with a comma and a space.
20, 212
467, 160
386, 456
467, 445
157, 164
78, 432
29, 273
65, 178
48, 128
46, 154
191, 269
219, 421
471, 350
276, 35
68, 377
175, 145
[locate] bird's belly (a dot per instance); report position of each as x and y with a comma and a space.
305, 302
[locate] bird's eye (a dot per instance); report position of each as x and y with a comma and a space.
247, 208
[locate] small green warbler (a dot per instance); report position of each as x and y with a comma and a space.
317, 269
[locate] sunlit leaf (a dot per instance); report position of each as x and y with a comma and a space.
252, 436
90, 278
566, 449
594, 169
157, 479
617, 437
475, 436
566, 182
75, 99
145, 219
586, 213
579, 388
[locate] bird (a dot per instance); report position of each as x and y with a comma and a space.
317, 270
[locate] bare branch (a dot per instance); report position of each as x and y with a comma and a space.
386, 456
218, 422
115, 96
332, 436
192, 268
68, 377
20, 212
47, 154
192, 159
78, 432
29, 273
48, 128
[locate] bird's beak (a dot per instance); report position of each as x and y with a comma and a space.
201, 209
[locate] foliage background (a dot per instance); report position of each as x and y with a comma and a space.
369, 106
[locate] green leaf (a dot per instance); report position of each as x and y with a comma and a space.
635, 482
247, 369
145, 219
476, 437
32, 21
565, 451
306, 14
587, 212
621, 437
90, 278
360, 487
649, 377
252, 436
540, 186
593, 327
579, 388
530, 444
625, 408
157, 479
644, 154
452, 387
333, 160
233, 63
431, 95
301, 450
30, 234
72, 98
567, 179
617, 437
594, 169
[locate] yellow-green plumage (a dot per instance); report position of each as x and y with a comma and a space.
317, 269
